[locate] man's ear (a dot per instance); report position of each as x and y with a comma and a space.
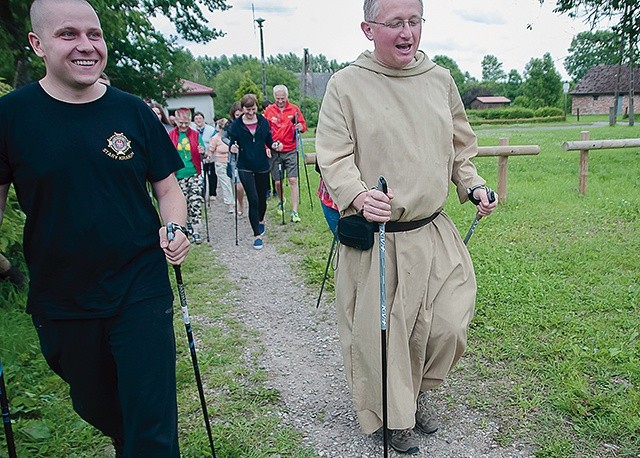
366, 29
36, 44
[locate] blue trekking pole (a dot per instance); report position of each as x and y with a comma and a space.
382, 186
192, 346
300, 147
6, 419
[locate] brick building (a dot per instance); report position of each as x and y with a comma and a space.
595, 93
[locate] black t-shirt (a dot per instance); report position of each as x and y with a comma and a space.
80, 173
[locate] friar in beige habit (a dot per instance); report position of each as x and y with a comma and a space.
395, 113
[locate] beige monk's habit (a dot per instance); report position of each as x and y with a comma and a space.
408, 125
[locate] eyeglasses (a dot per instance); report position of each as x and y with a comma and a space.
399, 23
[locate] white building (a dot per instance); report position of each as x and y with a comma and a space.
195, 96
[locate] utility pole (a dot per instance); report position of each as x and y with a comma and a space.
264, 71
565, 90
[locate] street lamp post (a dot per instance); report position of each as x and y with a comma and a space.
264, 71
565, 89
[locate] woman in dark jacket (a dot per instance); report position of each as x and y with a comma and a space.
250, 137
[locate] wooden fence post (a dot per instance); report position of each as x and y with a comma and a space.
503, 172
583, 169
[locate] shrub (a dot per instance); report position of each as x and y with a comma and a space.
4, 87
545, 112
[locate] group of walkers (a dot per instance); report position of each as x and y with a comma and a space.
243, 155
97, 248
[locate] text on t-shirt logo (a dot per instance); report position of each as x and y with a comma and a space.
119, 147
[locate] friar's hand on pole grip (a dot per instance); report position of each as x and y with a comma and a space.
491, 195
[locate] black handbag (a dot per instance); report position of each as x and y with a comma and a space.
356, 232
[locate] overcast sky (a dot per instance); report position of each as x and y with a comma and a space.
512, 30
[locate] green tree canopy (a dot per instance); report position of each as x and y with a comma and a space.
141, 59
317, 64
452, 66
542, 83
589, 49
513, 86
492, 69
227, 83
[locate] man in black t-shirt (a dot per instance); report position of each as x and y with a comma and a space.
99, 292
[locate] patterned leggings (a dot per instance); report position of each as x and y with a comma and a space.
192, 190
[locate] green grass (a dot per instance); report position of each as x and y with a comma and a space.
243, 411
554, 349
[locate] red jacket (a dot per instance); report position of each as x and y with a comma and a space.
282, 126
194, 141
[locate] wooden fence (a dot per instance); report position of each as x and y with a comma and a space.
585, 144
502, 151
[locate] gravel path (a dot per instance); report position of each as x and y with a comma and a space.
302, 356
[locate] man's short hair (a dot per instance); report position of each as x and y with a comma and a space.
198, 113
280, 88
37, 12
371, 9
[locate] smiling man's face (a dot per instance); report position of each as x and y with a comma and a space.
69, 39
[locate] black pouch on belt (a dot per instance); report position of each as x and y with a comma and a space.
356, 232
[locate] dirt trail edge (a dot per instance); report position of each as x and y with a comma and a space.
303, 361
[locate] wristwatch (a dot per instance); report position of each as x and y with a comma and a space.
470, 193
177, 227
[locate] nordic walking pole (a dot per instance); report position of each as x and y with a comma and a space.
204, 198
492, 197
281, 188
326, 269
6, 419
300, 147
382, 186
192, 346
234, 172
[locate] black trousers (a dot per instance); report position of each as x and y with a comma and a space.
211, 177
255, 187
121, 373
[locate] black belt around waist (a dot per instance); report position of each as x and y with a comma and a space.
404, 226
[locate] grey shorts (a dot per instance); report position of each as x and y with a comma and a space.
289, 163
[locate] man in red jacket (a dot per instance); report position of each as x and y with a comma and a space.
285, 118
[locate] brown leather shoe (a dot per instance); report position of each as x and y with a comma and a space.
404, 441
426, 420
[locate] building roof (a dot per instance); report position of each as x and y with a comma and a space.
602, 79
191, 88
492, 99
315, 83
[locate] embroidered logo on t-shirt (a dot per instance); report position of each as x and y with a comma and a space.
119, 147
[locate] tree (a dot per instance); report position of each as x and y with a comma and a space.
141, 59
492, 69
542, 83
452, 66
513, 86
589, 49
317, 64
248, 86
227, 82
